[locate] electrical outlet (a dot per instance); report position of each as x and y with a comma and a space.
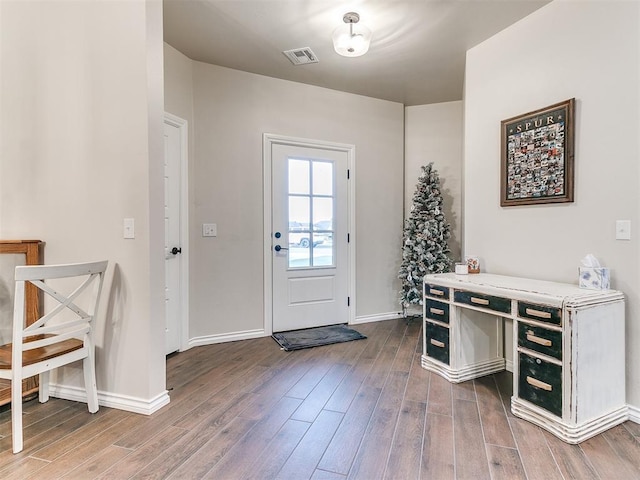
209, 230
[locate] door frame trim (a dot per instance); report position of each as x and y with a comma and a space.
268, 141
183, 127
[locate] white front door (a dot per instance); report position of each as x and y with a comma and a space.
174, 148
309, 236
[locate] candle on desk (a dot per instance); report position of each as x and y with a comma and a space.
462, 269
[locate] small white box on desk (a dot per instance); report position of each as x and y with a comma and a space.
595, 278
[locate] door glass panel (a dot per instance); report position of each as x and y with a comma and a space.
299, 213
299, 176
299, 257
322, 178
323, 252
324, 225
311, 203
322, 213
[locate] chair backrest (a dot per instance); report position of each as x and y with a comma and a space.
57, 324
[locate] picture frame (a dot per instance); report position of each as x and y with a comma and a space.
537, 156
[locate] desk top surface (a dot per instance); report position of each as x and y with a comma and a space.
524, 288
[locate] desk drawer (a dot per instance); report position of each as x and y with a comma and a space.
437, 342
437, 291
498, 304
540, 382
437, 310
541, 313
540, 340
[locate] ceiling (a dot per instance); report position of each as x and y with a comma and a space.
417, 52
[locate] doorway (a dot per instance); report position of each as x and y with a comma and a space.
308, 233
176, 233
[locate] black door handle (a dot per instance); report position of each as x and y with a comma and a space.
176, 250
277, 248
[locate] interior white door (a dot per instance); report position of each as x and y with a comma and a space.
310, 266
172, 246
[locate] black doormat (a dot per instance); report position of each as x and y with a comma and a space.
315, 337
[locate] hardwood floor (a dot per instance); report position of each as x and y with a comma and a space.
358, 410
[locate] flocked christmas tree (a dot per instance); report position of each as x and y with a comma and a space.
424, 248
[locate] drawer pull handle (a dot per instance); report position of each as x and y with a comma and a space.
539, 340
433, 291
479, 301
437, 343
537, 383
436, 311
537, 313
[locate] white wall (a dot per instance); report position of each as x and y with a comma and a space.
586, 50
81, 149
178, 84
433, 133
231, 111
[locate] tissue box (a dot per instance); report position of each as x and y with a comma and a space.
594, 277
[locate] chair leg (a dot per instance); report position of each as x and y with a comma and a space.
43, 387
88, 367
16, 414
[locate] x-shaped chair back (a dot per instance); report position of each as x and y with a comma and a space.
61, 336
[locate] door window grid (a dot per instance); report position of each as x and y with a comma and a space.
310, 213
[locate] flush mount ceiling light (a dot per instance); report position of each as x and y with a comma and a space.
351, 39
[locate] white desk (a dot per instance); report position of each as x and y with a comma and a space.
568, 344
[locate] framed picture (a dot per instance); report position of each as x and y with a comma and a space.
537, 156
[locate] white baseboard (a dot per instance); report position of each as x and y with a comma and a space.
247, 334
226, 337
258, 333
508, 365
634, 413
111, 400
377, 318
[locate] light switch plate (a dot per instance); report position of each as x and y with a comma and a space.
129, 228
209, 230
623, 229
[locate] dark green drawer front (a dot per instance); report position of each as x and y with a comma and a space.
541, 313
436, 291
498, 304
437, 342
540, 383
437, 311
540, 340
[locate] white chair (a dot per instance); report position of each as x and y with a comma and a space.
59, 337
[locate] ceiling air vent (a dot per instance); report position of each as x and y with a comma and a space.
301, 56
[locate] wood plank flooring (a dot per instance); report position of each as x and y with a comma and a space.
358, 410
